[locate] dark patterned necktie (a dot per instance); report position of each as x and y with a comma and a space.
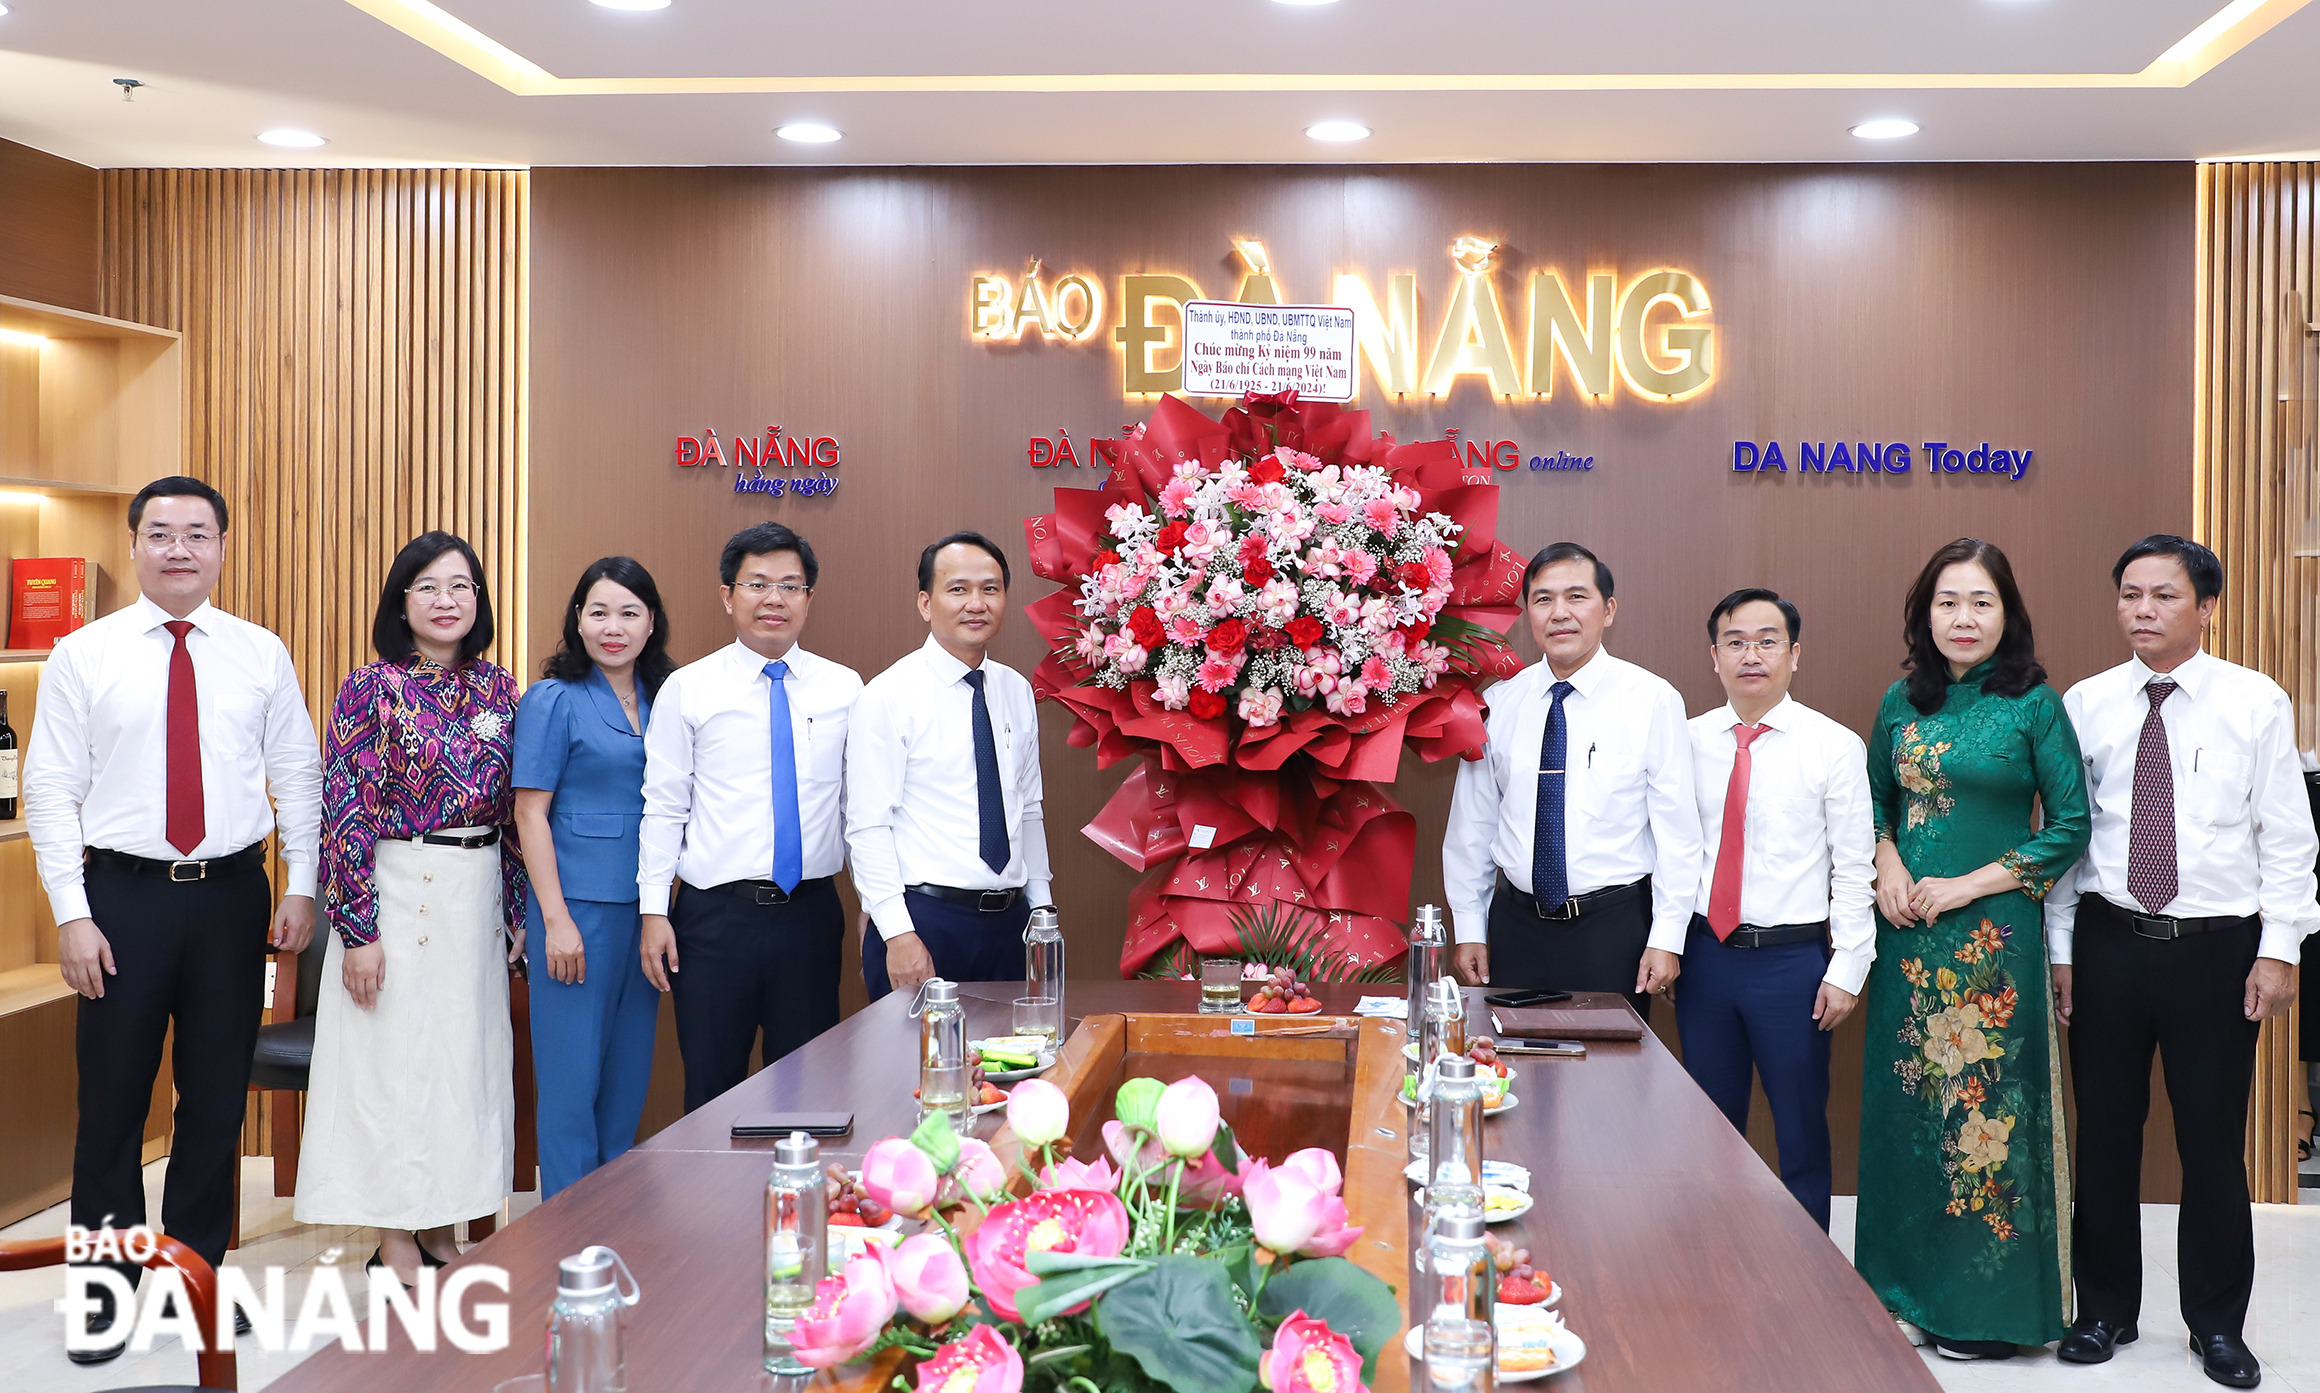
2151, 828
990, 807
1550, 875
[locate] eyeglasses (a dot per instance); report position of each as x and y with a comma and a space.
1742, 647
787, 589
197, 540
460, 591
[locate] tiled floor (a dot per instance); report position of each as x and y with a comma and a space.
2283, 1327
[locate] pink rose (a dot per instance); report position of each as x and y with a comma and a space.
1308, 1357
982, 1362
929, 1278
899, 1176
848, 1313
1069, 1221
1173, 690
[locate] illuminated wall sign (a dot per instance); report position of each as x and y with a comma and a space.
1232, 348
1651, 331
1876, 457
751, 456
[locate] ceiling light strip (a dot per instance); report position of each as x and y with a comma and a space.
2225, 33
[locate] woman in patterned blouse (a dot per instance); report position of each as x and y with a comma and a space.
410, 1118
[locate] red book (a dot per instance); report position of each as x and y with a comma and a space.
50, 598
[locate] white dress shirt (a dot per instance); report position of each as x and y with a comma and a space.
912, 815
1811, 839
1628, 806
96, 772
2244, 842
708, 771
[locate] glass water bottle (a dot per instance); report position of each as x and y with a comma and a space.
1428, 945
1043, 965
1454, 1136
797, 1232
1461, 1347
942, 1053
585, 1353
1441, 1032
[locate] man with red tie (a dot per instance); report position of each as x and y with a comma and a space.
160, 728
1783, 937
2178, 932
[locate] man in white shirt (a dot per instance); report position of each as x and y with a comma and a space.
1580, 812
1782, 937
744, 802
2179, 931
159, 731
943, 822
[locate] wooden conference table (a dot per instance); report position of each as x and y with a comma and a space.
1685, 1264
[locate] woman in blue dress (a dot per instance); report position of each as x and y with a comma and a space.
579, 782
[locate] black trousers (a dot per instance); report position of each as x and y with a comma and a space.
194, 953
742, 967
1598, 952
966, 944
2184, 998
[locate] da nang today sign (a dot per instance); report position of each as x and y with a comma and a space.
1650, 332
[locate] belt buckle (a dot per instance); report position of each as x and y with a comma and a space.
994, 901
200, 872
2174, 927
1568, 909
770, 894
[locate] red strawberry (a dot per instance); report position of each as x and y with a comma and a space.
847, 1221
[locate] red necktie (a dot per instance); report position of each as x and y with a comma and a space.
1732, 846
186, 827
2151, 871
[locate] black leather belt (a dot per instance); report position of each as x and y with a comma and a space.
2162, 928
759, 891
1755, 936
1572, 908
467, 841
987, 901
182, 872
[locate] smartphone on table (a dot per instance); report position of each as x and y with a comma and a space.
1527, 996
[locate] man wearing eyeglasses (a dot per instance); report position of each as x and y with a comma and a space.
160, 729
943, 789
744, 802
1783, 937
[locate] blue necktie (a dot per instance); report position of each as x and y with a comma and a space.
789, 862
1550, 878
990, 806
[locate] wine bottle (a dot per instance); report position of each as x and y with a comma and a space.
8, 809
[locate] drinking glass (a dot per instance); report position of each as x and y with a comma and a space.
1459, 1355
1040, 1016
1220, 986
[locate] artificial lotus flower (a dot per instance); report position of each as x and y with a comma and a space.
929, 1277
983, 1362
1186, 1118
979, 1171
848, 1313
1332, 1236
1309, 1357
899, 1176
1136, 1101
1067, 1221
1079, 1175
1038, 1112
1285, 1208
1204, 1181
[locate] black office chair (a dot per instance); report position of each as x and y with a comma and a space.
285, 1054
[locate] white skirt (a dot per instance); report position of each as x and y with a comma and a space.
410, 1106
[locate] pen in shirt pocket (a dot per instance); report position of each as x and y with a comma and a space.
1590, 755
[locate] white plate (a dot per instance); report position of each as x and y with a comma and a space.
981, 1108
1507, 1102
1503, 1216
1046, 1062
1505, 1173
1568, 1349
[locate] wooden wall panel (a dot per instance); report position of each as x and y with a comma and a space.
354, 370
2257, 484
48, 228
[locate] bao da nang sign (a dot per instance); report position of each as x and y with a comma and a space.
1651, 331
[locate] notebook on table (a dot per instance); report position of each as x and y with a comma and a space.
1605, 1018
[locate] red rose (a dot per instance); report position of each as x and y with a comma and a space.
1229, 637
1417, 628
1267, 471
1305, 631
1252, 545
1171, 538
1144, 627
1208, 705
1104, 558
1415, 575
1257, 572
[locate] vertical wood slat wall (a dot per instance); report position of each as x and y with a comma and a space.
2254, 480
355, 357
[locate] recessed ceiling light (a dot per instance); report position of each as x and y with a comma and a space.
1338, 131
808, 132
1885, 128
634, 4
290, 138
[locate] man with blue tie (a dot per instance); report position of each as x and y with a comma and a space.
1572, 859
744, 803
943, 821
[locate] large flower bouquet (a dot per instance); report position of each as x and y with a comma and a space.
1271, 605
1178, 1263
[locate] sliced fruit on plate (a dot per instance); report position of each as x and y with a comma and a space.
1522, 1291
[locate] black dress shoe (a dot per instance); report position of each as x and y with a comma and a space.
1970, 1349
378, 1264
241, 1321
2228, 1360
98, 1325
2091, 1341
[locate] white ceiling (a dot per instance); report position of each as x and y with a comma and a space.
1671, 80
